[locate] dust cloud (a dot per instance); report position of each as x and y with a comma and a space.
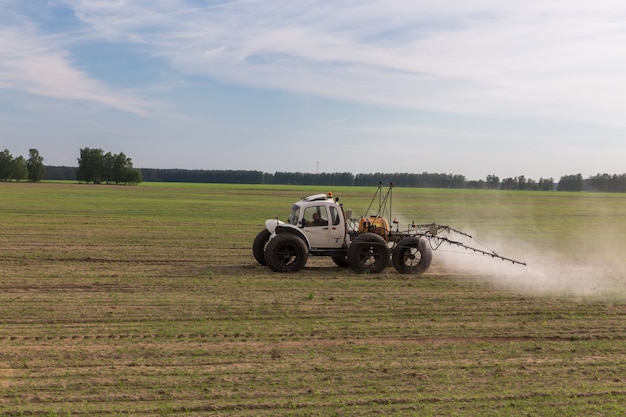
594, 268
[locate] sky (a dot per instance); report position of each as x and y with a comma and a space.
470, 87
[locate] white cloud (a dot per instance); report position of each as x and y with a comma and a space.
472, 57
33, 64
536, 73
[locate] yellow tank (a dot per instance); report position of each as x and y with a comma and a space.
374, 224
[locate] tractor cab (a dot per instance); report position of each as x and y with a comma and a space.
319, 218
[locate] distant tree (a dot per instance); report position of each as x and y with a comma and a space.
571, 183
60, 172
608, 183
6, 165
423, 180
475, 185
133, 176
36, 169
120, 169
97, 167
493, 182
546, 184
509, 184
457, 181
20, 169
601, 182
620, 183
107, 167
90, 165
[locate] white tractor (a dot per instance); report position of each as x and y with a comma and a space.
319, 226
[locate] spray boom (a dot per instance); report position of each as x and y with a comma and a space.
431, 232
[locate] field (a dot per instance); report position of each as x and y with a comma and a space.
146, 301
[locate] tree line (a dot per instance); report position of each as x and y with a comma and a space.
576, 182
20, 169
96, 166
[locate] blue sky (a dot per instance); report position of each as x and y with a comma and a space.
471, 87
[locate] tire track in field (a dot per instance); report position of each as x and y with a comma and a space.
221, 340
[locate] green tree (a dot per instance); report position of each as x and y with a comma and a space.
509, 184
133, 176
107, 167
35, 167
97, 167
546, 184
6, 165
571, 183
493, 182
90, 165
20, 169
121, 167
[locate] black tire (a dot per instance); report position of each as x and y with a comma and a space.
258, 247
341, 261
412, 255
286, 253
368, 253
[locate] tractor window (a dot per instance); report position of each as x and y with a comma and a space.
293, 217
334, 214
315, 216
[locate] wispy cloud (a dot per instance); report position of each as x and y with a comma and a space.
472, 57
529, 60
35, 64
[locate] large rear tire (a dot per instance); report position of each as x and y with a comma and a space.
368, 253
286, 253
258, 247
412, 255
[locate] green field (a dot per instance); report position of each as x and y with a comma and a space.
146, 301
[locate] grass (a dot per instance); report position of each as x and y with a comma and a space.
147, 301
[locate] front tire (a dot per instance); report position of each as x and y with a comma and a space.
412, 255
258, 247
368, 253
286, 253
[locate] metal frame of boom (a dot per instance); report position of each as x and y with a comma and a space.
428, 231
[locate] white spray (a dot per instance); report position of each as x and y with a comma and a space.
595, 270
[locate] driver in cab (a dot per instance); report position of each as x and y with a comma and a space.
317, 221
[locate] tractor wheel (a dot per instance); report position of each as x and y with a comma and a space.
340, 261
412, 255
258, 247
368, 253
286, 253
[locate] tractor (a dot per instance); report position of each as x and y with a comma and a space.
319, 226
